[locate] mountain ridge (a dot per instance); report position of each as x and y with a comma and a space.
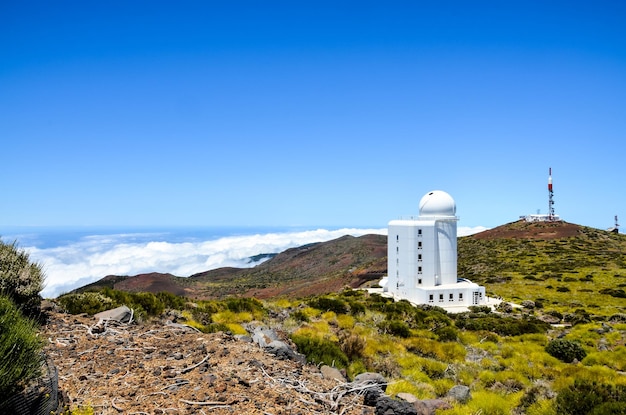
516, 254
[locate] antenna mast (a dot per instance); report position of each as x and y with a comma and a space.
616, 224
551, 215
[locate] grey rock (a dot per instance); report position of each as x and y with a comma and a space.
244, 338
282, 351
430, 406
460, 393
372, 378
263, 337
121, 314
329, 372
407, 397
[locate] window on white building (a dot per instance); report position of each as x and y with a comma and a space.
430, 298
451, 297
460, 296
419, 281
441, 298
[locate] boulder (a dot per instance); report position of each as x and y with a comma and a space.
268, 340
121, 314
460, 393
408, 397
329, 372
430, 406
282, 350
372, 378
387, 406
263, 336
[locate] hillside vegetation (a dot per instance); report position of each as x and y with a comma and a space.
562, 351
560, 266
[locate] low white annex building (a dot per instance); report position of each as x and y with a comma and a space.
422, 257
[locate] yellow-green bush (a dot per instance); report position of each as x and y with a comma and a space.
418, 389
614, 359
542, 407
488, 403
345, 321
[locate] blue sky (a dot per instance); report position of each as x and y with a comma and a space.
302, 113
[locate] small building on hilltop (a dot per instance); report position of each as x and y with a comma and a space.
422, 257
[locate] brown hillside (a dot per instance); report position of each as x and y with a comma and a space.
531, 230
153, 282
306, 270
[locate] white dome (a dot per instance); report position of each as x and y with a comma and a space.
437, 203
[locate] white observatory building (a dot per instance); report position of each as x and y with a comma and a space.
422, 257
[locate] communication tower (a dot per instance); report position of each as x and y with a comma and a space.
551, 215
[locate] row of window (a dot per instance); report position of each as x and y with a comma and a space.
450, 298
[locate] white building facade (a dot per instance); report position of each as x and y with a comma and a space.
422, 257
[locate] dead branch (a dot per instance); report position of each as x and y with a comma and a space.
190, 368
180, 382
117, 408
210, 403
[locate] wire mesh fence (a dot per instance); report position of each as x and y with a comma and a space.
40, 397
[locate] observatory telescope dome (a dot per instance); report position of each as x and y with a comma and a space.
437, 203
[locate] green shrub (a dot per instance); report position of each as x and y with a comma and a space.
329, 304
395, 328
447, 334
20, 279
87, 302
504, 326
566, 350
148, 302
356, 308
480, 309
589, 397
238, 305
318, 350
613, 408
20, 348
301, 316
215, 327
171, 301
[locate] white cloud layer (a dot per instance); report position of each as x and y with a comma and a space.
93, 257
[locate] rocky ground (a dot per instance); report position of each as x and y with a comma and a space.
167, 368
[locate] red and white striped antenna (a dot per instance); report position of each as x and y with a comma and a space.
551, 215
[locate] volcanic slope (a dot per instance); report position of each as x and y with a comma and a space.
556, 264
311, 269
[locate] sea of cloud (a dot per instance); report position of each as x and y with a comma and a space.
89, 258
